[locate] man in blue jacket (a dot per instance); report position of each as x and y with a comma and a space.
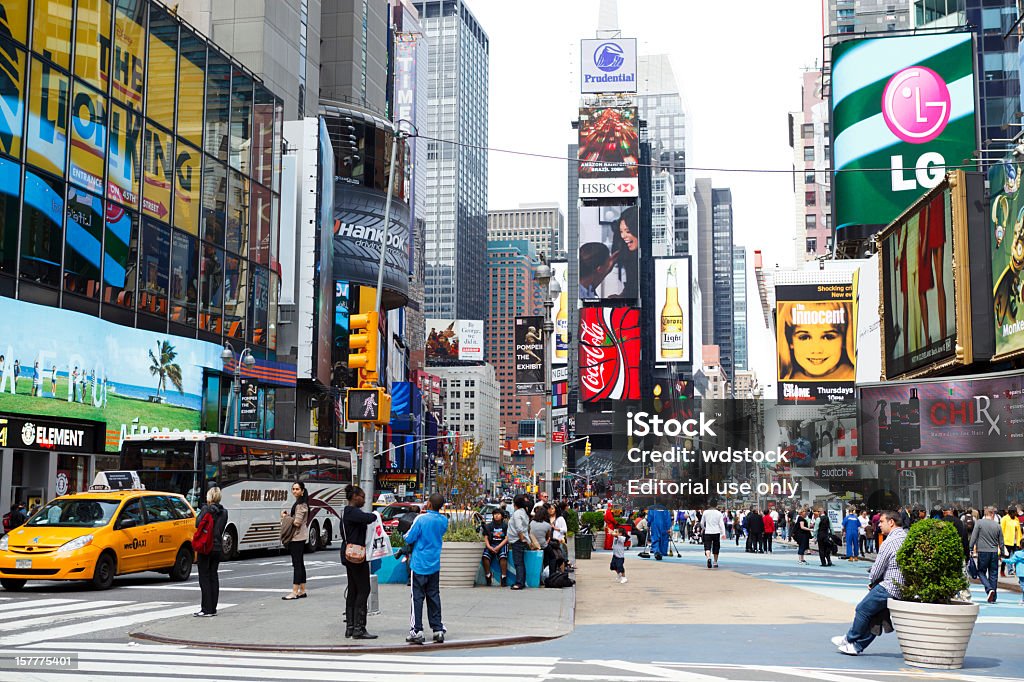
425, 568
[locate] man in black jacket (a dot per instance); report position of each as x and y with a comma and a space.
755, 529
824, 538
949, 516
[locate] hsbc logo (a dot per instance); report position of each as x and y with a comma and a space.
608, 188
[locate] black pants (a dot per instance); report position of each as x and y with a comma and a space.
766, 541
209, 581
427, 587
356, 594
823, 551
297, 548
803, 542
552, 553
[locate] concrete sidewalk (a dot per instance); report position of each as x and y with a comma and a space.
473, 617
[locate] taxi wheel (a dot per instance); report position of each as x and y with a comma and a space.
103, 574
182, 565
12, 584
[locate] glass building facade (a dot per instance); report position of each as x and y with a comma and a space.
139, 172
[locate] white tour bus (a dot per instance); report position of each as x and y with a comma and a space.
255, 477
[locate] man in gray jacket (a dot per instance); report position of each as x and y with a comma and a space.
986, 541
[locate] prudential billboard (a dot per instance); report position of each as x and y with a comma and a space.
902, 113
608, 65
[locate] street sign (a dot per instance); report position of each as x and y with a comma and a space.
401, 490
558, 436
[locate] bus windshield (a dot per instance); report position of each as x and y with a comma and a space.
169, 467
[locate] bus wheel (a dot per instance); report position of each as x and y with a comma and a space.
325, 536
313, 541
230, 544
12, 584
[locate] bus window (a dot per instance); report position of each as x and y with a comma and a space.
162, 457
300, 466
233, 464
261, 465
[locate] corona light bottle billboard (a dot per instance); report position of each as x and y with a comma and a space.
671, 327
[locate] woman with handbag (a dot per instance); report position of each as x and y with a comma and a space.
354, 522
294, 534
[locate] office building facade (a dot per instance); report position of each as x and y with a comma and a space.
543, 225
812, 197
472, 400
715, 270
456, 192
739, 307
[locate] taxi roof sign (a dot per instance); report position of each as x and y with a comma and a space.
117, 480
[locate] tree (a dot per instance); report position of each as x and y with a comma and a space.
162, 365
461, 473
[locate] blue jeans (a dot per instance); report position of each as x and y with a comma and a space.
519, 561
988, 570
860, 632
426, 586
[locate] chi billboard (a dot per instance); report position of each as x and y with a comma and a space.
902, 111
609, 253
454, 341
815, 343
609, 353
1006, 240
609, 152
607, 65
672, 306
529, 353
962, 416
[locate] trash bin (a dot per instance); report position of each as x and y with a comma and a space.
584, 546
534, 565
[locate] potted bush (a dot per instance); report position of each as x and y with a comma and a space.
595, 521
933, 629
461, 549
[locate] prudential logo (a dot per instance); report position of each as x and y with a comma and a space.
608, 57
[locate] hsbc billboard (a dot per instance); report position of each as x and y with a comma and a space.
609, 152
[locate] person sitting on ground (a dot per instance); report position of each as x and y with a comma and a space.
885, 580
496, 546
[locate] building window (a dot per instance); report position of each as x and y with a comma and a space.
809, 178
812, 245
810, 221
808, 153
810, 198
807, 130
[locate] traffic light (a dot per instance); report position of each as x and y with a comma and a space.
467, 449
369, 405
586, 449
362, 343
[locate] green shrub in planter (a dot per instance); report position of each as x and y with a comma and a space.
572, 521
397, 540
931, 559
593, 519
462, 531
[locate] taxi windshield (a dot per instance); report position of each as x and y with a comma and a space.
75, 513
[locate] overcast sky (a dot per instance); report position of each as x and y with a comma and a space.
738, 66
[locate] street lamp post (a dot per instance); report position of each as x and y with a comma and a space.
245, 358
551, 289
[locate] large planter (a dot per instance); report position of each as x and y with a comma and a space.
459, 563
584, 546
392, 571
933, 635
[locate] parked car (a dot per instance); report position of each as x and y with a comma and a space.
391, 513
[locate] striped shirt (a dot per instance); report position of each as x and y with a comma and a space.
884, 570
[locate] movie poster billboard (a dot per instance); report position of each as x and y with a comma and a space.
962, 416
609, 253
607, 65
1006, 239
919, 325
453, 341
815, 343
133, 380
902, 111
560, 348
672, 308
529, 336
609, 152
609, 354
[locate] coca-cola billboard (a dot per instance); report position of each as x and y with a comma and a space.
609, 352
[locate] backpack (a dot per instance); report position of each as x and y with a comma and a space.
202, 539
559, 579
7, 522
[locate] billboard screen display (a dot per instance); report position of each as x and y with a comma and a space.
560, 348
530, 355
918, 306
974, 415
815, 343
902, 104
607, 65
672, 306
609, 353
609, 255
609, 151
1006, 239
452, 341
156, 382
358, 219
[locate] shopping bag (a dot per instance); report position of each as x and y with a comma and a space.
972, 568
378, 543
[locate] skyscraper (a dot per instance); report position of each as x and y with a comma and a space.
809, 138
739, 307
456, 192
715, 269
543, 225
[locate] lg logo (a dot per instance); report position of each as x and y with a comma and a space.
916, 106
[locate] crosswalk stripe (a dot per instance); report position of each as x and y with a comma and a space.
95, 626
645, 669
20, 604
30, 609
49, 621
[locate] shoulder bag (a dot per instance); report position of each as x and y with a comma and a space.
354, 554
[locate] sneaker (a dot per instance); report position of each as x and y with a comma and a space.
439, 637
623, 580
414, 638
203, 614
991, 597
709, 563
488, 579
848, 649
716, 565
504, 580
839, 640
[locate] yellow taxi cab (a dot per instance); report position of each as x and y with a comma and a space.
97, 535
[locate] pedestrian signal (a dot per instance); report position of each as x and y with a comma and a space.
369, 405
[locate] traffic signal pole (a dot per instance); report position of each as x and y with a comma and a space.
371, 431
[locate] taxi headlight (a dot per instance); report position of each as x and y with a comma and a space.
3, 543
77, 543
